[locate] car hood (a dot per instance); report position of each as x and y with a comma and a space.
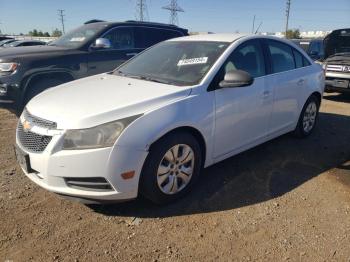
339, 59
22, 51
100, 99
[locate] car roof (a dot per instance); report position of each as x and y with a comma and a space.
136, 23
212, 37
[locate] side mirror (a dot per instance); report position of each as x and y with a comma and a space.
236, 78
102, 43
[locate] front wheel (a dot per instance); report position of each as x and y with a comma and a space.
308, 117
171, 169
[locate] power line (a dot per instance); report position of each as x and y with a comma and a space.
174, 8
61, 18
141, 10
287, 16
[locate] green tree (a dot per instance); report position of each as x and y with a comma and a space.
33, 33
56, 33
40, 33
293, 34
46, 34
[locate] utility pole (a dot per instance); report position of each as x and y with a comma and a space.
174, 8
61, 18
287, 16
253, 25
141, 10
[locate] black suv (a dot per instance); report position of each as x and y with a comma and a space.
95, 47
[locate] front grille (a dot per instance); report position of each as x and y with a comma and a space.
31, 141
98, 184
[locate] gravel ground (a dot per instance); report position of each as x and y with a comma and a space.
286, 200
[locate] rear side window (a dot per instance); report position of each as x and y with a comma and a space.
281, 56
147, 36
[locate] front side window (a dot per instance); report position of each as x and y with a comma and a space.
281, 56
121, 38
247, 57
174, 62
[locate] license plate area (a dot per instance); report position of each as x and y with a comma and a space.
23, 159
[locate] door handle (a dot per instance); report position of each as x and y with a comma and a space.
301, 82
131, 54
266, 93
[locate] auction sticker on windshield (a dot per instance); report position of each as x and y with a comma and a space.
193, 61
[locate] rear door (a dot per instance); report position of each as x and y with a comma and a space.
287, 83
123, 47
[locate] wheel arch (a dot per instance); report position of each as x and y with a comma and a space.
39, 76
191, 130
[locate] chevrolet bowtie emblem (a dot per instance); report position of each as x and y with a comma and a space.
26, 125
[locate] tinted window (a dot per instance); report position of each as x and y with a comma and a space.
306, 62
121, 38
247, 57
281, 56
298, 59
151, 36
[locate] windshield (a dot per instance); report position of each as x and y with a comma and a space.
178, 63
79, 36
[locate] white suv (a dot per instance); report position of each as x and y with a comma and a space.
150, 126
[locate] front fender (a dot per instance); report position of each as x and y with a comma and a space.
195, 111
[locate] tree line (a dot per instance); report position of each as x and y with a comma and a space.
39, 33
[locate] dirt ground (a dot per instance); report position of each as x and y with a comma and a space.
286, 200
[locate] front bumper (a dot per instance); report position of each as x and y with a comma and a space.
339, 82
9, 92
51, 168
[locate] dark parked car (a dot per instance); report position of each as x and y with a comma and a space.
337, 62
2, 37
313, 47
24, 43
6, 41
91, 49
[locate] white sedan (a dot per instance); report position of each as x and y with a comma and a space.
150, 126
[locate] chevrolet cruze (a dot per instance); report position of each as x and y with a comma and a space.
149, 127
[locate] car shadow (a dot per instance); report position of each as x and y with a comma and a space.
260, 174
338, 97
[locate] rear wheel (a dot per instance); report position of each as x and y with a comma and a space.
171, 169
308, 117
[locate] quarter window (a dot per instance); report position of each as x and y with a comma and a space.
151, 36
121, 38
298, 59
281, 56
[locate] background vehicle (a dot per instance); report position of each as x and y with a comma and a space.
4, 38
24, 43
337, 62
160, 117
88, 50
313, 47
6, 41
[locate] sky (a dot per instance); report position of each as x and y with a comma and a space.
22, 16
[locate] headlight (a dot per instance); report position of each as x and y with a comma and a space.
96, 137
8, 67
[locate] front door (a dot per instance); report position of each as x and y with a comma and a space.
243, 113
122, 49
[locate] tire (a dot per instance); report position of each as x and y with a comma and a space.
161, 178
39, 86
308, 117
